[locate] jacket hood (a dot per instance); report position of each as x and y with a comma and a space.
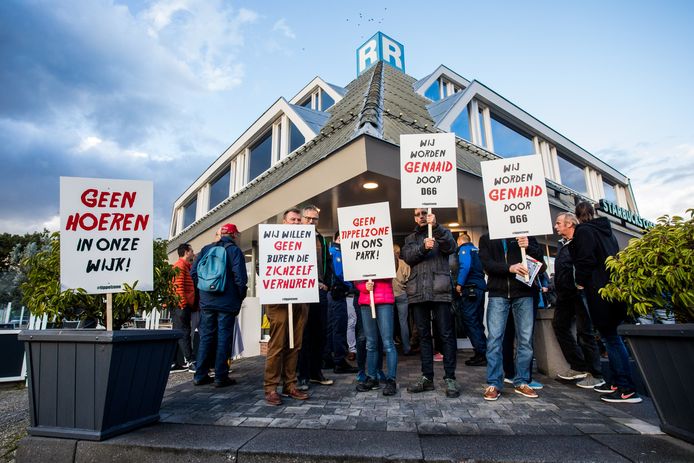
601, 225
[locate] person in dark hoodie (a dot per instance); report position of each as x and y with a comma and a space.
592, 243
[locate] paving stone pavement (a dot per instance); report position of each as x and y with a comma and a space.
562, 408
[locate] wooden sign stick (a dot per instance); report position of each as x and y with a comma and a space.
371, 300
290, 314
109, 311
428, 225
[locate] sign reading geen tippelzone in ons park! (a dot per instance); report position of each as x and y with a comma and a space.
288, 272
106, 234
428, 170
515, 195
366, 240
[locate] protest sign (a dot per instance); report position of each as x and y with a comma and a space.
428, 170
288, 272
366, 240
106, 234
515, 194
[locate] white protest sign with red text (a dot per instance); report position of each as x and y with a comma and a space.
366, 240
428, 170
106, 234
515, 194
288, 272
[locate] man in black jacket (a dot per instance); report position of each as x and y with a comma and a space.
593, 242
502, 261
429, 292
583, 356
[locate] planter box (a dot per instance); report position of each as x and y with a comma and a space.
12, 366
665, 356
95, 384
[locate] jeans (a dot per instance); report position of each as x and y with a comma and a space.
443, 319
216, 331
497, 316
311, 354
401, 305
337, 310
584, 354
351, 325
383, 324
180, 319
472, 312
361, 341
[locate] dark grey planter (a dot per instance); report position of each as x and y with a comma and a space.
665, 356
95, 384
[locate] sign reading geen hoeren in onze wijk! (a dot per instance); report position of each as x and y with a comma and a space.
515, 194
428, 170
288, 272
366, 240
106, 234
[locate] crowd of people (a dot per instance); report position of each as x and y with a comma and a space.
441, 286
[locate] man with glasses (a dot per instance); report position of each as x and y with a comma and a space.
429, 294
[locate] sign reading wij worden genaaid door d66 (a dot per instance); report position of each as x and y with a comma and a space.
428, 170
106, 234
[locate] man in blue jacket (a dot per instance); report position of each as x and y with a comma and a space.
219, 309
337, 307
470, 285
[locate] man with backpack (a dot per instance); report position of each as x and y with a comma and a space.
219, 272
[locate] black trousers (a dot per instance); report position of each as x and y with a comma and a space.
180, 318
580, 351
313, 340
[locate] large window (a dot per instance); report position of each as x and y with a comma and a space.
219, 189
572, 175
326, 101
461, 125
610, 191
296, 139
434, 91
509, 141
189, 211
261, 156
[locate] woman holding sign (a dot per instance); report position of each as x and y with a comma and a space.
383, 323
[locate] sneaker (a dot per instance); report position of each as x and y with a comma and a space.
508, 381
423, 384
438, 357
202, 381
368, 385
605, 388
390, 388
452, 388
572, 374
526, 391
191, 366
491, 393
344, 367
622, 395
224, 382
479, 360
322, 380
590, 382
302, 385
535, 385
178, 368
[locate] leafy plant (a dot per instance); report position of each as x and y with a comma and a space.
656, 271
42, 293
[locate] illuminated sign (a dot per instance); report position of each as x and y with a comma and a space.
624, 214
380, 47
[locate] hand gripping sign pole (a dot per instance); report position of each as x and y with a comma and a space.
526, 277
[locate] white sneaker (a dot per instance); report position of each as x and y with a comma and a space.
571, 374
589, 382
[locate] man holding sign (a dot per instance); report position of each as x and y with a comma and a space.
429, 292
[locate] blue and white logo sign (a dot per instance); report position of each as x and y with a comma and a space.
380, 47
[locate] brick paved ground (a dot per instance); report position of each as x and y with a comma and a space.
562, 409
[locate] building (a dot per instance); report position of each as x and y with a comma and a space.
339, 146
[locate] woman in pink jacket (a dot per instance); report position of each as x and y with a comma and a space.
384, 300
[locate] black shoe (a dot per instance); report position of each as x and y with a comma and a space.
224, 382
204, 380
622, 396
390, 388
477, 361
368, 385
422, 384
344, 367
175, 368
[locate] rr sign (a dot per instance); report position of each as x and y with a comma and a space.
380, 47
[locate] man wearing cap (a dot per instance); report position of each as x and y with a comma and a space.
182, 317
219, 309
281, 361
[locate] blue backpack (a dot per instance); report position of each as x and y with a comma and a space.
212, 269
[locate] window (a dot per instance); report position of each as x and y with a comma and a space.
461, 125
296, 139
219, 189
610, 191
306, 103
434, 91
326, 101
261, 156
508, 141
189, 210
572, 175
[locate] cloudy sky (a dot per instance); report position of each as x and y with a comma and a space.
158, 89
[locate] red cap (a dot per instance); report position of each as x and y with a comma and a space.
228, 229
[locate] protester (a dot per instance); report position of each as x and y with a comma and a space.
402, 274
593, 242
219, 308
181, 316
281, 360
337, 309
429, 293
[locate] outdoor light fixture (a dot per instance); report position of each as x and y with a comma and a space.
454, 224
370, 185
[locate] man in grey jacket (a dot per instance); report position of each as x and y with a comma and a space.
429, 292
